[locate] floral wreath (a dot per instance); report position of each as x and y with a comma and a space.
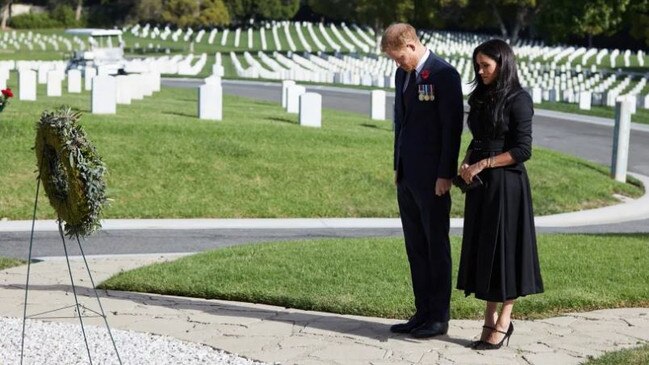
4, 98
71, 171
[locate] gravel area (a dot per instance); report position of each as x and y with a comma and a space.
62, 343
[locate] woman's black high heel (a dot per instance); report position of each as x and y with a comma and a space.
475, 343
484, 345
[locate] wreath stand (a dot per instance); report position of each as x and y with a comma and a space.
79, 309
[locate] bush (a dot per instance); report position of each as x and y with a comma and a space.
61, 16
33, 20
65, 15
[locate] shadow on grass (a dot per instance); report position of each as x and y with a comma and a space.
373, 126
187, 115
304, 319
280, 119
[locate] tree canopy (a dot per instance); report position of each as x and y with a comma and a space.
552, 20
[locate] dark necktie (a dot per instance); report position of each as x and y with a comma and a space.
410, 93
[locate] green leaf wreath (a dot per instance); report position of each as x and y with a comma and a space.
71, 171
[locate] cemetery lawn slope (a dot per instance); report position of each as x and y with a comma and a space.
6, 262
635, 356
370, 276
641, 115
163, 162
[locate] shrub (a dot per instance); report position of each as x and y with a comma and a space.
33, 20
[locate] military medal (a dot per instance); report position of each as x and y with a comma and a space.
422, 93
426, 92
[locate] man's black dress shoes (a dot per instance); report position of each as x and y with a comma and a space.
430, 329
407, 327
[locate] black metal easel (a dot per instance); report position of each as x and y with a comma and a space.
77, 306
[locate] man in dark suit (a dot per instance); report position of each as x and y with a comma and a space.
428, 117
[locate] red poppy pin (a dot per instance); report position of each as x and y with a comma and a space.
425, 74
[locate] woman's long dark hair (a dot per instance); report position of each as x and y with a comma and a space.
495, 95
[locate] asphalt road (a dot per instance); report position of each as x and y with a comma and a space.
588, 141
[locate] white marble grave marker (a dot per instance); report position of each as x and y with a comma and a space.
310, 110
377, 105
285, 85
585, 98
104, 95
88, 74
27, 84
54, 83
537, 95
210, 102
43, 69
123, 89
74, 81
293, 98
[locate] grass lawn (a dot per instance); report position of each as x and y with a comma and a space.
370, 276
641, 115
6, 262
163, 162
636, 356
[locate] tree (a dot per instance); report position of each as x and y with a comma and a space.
77, 13
242, 10
561, 19
182, 13
638, 16
213, 12
146, 10
6, 8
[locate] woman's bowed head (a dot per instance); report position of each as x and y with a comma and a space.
4, 99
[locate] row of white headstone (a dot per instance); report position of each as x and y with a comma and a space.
460, 44
31, 40
326, 69
355, 38
308, 105
107, 90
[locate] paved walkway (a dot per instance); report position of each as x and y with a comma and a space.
276, 334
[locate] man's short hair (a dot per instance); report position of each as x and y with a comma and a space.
397, 35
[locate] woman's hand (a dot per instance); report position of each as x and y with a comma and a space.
469, 171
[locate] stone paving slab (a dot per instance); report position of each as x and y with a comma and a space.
291, 336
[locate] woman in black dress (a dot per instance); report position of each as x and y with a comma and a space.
499, 260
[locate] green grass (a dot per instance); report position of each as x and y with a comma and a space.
163, 162
6, 263
635, 356
370, 276
641, 115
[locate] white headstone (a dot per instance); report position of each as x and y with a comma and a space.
88, 74
213, 80
377, 105
104, 95
210, 102
54, 83
537, 95
123, 89
137, 87
585, 98
26, 84
310, 110
218, 70
633, 103
293, 98
43, 69
74, 81
285, 85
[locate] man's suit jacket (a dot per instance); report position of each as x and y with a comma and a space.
428, 133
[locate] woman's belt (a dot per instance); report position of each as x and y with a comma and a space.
487, 145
